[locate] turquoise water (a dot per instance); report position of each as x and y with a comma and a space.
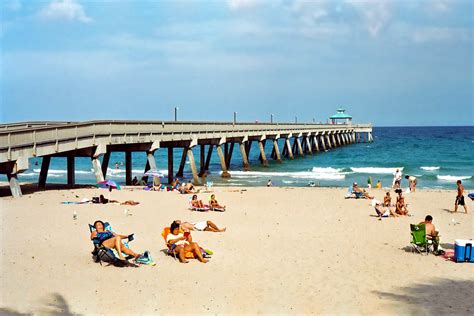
437, 156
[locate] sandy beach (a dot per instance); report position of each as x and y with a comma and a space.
286, 250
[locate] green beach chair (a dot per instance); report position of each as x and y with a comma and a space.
419, 242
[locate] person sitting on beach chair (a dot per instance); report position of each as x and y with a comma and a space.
207, 226
431, 232
181, 243
111, 240
359, 192
401, 206
214, 205
196, 203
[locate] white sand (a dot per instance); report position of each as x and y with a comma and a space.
286, 250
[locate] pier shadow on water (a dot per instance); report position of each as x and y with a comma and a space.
439, 297
53, 304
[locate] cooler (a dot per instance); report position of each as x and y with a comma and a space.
463, 250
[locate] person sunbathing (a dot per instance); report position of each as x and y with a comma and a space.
214, 205
359, 192
196, 203
207, 226
401, 206
387, 200
383, 211
181, 244
112, 240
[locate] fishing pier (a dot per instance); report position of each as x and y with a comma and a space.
98, 139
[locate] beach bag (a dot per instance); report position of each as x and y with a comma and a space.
105, 255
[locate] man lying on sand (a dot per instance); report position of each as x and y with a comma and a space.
207, 226
103, 200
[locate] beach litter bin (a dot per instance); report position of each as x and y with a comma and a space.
463, 250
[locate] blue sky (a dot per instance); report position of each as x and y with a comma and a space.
387, 62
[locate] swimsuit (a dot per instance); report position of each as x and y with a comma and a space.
103, 236
460, 200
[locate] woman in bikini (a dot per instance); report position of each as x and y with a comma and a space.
196, 203
111, 240
182, 244
215, 205
401, 207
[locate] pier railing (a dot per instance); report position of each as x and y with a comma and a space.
41, 138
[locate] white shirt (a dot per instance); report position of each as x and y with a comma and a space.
398, 175
179, 242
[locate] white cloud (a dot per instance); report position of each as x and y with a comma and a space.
375, 13
243, 4
437, 34
69, 10
310, 11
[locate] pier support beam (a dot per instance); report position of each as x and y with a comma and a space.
316, 143
288, 149
44, 172
370, 137
228, 155
192, 163
261, 146
202, 160
328, 141
151, 164
105, 163
333, 140
179, 174
96, 166
339, 139
245, 160
323, 142
128, 167
308, 144
71, 177
15, 187
300, 148
277, 150
208, 158
225, 173
170, 165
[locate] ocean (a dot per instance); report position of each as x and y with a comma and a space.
437, 156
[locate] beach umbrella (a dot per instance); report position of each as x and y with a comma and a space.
108, 184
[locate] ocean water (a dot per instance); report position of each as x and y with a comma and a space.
437, 156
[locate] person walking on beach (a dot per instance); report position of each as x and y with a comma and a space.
369, 182
397, 179
460, 197
411, 182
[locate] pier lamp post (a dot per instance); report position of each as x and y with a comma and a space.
235, 117
314, 120
296, 119
176, 113
271, 118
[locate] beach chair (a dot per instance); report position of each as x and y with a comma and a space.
197, 209
206, 253
105, 254
419, 242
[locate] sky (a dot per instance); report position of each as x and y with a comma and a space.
390, 63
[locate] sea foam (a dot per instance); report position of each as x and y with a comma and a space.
376, 170
453, 178
429, 168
